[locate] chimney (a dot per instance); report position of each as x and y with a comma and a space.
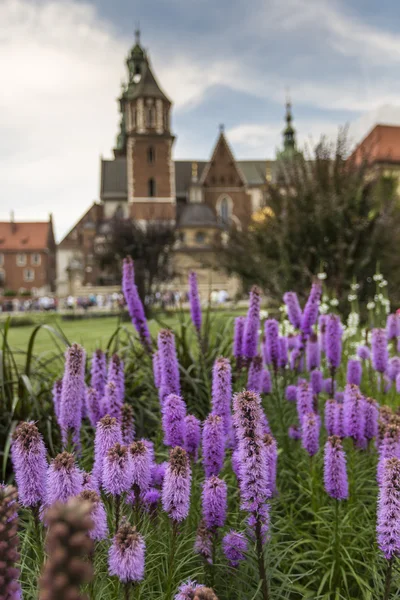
12, 222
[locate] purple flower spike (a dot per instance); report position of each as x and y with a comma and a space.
234, 545
272, 345
158, 473
313, 353
97, 514
272, 462
388, 519
186, 591
311, 309
64, 479
266, 382
291, 393
203, 543
380, 353
193, 434
117, 470
141, 465
363, 352
252, 325
297, 360
389, 448
98, 372
127, 554
330, 414
28, 455
108, 433
310, 433
294, 432
57, 390
393, 326
134, 303
354, 371
238, 338
333, 341
157, 369
354, 414
93, 406
255, 377
168, 363
173, 420
221, 394
213, 443
371, 418
73, 393
283, 352
176, 485
116, 375
398, 384
293, 309
322, 320
327, 385
394, 368
214, 502
194, 301
339, 429
112, 403
127, 424
335, 474
317, 381
304, 400
89, 483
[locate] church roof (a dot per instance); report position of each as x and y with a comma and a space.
382, 144
114, 180
24, 236
197, 215
147, 87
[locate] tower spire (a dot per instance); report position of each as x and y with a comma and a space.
289, 133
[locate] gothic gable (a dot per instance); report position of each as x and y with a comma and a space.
222, 170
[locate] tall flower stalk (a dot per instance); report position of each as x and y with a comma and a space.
73, 395
134, 303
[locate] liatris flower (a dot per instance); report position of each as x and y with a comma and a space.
283, 352
186, 591
98, 373
222, 391
192, 436
57, 389
151, 500
322, 320
310, 313
293, 309
304, 400
339, 429
354, 414
291, 393
363, 352
354, 372
297, 360
97, 514
371, 418
214, 502
393, 326
264, 425
168, 364
310, 433
134, 303
313, 353
126, 555
294, 432
252, 325
127, 424
328, 384
116, 375
9, 573
213, 443
117, 470
333, 341
150, 447
255, 377
203, 542
173, 420
108, 433
292, 341
194, 301
93, 406
271, 328
112, 404
330, 414
388, 519
379, 350
394, 367
389, 448
252, 453
335, 474
68, 545
238, 339
398, 384
317, 381
234, 545
141, 464
339, 396
28, 455
266, 382
156, 369
64, 479
158, 473
176, 485
272, 462
73, 393
90, 483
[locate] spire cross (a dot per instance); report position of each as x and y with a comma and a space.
222, 128
137, 35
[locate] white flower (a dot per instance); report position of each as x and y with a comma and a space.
263, 314
283, 308
322, 276
334, 302
377, 277
353, 320
352, 297
370, 305
383, 283
355, 286
324, 308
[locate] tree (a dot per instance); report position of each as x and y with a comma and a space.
325, 212
150, 246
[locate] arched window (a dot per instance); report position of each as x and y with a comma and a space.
225, 209
152, 187
150, 116
151, 155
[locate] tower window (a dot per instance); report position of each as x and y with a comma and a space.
224, 210
151, 155
150, 116
152, 187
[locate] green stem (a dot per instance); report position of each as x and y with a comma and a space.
337, 540
117, 511
213, 556
261, 562
127, 590
171, 560
388, 580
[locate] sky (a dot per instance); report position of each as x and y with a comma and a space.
225, 61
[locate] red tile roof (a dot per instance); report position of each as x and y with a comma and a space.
24, 236
382, 144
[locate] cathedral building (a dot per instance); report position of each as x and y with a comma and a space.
202, 198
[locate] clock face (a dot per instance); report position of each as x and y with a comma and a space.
137, 77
